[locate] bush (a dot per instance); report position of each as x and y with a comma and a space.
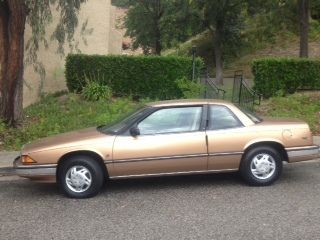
280, 76
190, 89
142, 76
94, 91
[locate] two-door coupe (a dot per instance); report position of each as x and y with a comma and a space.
169, 138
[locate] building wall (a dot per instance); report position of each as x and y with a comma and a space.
116, 36
104, 39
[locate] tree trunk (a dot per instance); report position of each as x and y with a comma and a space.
158, 46
12, 24
218, 57
4, 41
304, 6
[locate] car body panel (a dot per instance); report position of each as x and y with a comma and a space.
175, 153
151, 154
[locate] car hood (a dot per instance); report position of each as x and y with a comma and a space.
76, 138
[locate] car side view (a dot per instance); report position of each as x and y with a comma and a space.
169, 138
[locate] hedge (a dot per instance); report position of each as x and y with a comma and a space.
143, 76
274, 76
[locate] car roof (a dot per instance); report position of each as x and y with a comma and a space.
186, 102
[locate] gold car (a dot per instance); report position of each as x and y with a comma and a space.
169, 138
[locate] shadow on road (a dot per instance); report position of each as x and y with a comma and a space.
174, 182
292, 174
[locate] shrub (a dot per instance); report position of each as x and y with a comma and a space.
94, 91
143, 76
275, 76
190, 89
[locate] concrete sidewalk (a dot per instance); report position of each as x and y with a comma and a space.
6, 158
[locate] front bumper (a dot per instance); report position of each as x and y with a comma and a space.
33, 171
298, 154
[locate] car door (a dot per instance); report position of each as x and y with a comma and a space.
224, 132
170, 141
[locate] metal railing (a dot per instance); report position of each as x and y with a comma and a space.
242, 94
211, 90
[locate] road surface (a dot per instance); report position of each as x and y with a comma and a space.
218, 206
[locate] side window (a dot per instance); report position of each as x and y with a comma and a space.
222, 118
172, 120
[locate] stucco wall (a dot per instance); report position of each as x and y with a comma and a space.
104, 39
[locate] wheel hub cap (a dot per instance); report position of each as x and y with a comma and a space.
78, 179
263, 166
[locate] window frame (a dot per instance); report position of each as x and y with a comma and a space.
209, 120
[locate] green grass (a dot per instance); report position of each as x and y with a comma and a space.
53, 115
304, 106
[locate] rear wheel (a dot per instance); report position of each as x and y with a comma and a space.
261, 166
80, 177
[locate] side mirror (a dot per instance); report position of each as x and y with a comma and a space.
134, 131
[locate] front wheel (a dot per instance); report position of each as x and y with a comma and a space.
261, 166
80, 177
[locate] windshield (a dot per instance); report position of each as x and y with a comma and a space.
128, 119
252, 116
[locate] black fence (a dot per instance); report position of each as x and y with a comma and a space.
211, 90
242, 94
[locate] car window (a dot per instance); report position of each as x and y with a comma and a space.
254, 118
125, 121
222, 118
172, 120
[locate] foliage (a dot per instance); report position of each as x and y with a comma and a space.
40, 16
304, 106
94, 91
265, 19
274, 76
180, 22
53, 115
121, 3
159, 24
189, 88
223, 18
142, 76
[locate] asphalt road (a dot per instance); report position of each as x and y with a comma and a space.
217, 206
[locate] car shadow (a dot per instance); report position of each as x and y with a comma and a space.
214, 180
173, 182
31, 190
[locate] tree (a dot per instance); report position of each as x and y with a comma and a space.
304, 10
157, 24
14, 14
223, 18
292, 15
143, 25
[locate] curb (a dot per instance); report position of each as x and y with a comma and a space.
7, 171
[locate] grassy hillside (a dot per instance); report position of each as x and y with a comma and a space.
282, 44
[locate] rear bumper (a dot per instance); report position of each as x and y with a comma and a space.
303, 153
34, 171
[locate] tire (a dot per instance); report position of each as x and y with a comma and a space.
80, 177
261, 166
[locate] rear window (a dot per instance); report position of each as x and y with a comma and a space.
254, 117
